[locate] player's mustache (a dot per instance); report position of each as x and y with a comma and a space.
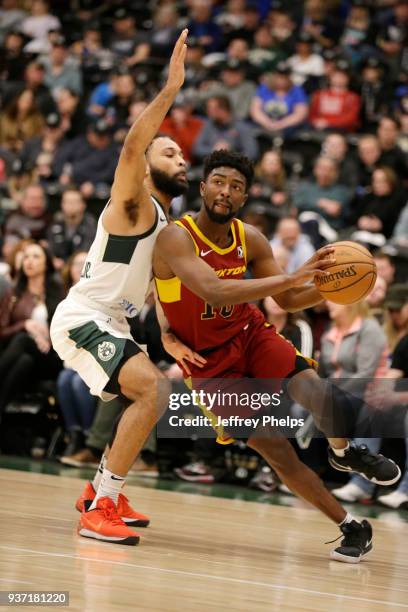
223, 201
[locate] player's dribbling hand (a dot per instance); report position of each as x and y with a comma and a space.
181, 353
175, 77
317, 264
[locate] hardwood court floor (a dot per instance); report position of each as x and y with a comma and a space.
199, 554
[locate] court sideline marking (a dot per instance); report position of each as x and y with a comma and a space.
282, 587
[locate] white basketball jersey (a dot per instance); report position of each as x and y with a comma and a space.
118, 270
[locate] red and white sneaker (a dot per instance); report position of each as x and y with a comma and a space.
125, 511
104, 523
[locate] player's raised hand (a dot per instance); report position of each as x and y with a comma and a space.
175, 77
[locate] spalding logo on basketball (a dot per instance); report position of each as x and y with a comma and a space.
351, 278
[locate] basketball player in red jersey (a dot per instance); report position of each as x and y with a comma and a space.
196, 261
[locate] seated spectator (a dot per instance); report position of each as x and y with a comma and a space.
324, 195
278, 105
127, 42
102, 95
165, 32
91, 53
378, 211
270, 183
368, 159
34, 77
320, 23
222, 131
400, 233
181, 125
375, 93
288, 234
77, 404
11, 15
202, 26
88, 161
391, 154
27, 354
353, 350
392, 35
47, 144
117, 109
291, 325
32, 219
306, 65
336, 107
385, 266
71, 111
266, 53
336, 146
19, 121
13, 58
38, 25
396, 314
73, 229
61, 70
282, 27
375, 299
234, 85
357, 39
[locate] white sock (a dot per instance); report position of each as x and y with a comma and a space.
339, 452
347, 519
110, 486
97, 479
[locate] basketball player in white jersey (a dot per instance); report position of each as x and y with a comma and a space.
90, 331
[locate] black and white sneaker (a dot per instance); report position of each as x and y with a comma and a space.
357, 542
359, 459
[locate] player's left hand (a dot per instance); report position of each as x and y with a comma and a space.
181, 353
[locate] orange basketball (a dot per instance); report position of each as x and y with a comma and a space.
351, 278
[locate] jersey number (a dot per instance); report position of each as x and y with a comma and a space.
209, 313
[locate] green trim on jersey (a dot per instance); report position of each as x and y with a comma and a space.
120, 249
106, 349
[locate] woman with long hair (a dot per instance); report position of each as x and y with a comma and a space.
24, 324
271, 184
20, 121
77, 404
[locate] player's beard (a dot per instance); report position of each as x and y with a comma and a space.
169, 185
218, 217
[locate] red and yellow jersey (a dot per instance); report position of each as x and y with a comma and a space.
196, 323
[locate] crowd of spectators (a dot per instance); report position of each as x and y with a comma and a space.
315, 92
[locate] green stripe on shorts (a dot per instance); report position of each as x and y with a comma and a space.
106, 349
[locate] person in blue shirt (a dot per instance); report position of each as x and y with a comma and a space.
278, 105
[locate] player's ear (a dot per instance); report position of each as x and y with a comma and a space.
244, 199
202, 188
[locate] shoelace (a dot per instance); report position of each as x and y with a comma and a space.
111, 514
366, 454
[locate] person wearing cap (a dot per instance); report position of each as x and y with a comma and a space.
233, 84
278, 105
61, 71
336, 107
375, 93
34, 76
357, 40
127, 42
46, 143
305, 64
88, 161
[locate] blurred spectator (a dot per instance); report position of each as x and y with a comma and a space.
266, 53
322, 26
391, 154
202, 26
72, 229
379, 210
222, 131
12, 57
61, 70
324, 195
127, 42
77, 404
271, 183
374, 92
38, 25
165, 32
375, 299
11, 16
385, 266
91, 53
181, 125
117, 109
249, 22
282, 28
32, 219
71, 111
19, 121
46, 144
195, 71
279, 105
336, 146
358, 36
393, 35
400, 233
24, 325
88, 161
292, 326
336, 107
102, 95
288, 234
306, 65
368, 158
34, 77
396, 314
234, 85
